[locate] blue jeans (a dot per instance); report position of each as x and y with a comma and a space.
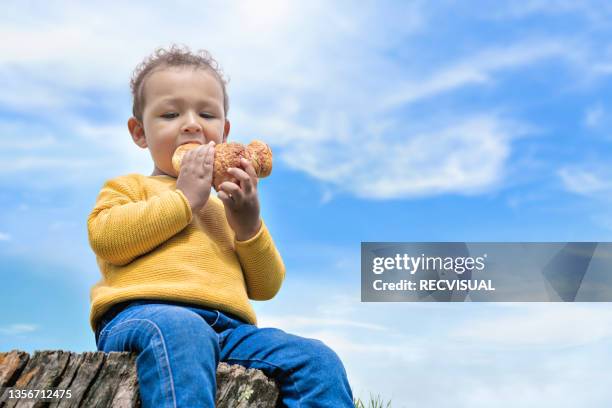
179, 347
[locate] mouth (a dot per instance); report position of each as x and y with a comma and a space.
191, 142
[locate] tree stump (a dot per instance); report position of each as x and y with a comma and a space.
98, 379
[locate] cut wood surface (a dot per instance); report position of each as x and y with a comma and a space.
98, 379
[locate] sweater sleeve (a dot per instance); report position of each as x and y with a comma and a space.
263, 267
123, 225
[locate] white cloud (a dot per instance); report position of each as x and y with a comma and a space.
5, 237
596, 11
588, 182
61, 225
603, 68
77, 151
538, 326
476, 69
598, 121
464, 157
594, 116
10, 139
603, 219
362, 149
39, 163
17, 329
409, 351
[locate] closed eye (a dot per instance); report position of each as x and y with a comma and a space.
169, 115
207, 115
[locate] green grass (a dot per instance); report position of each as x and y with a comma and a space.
372, 403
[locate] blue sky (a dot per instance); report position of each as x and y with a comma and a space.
389, 121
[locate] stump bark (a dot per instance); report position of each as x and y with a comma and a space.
98, 379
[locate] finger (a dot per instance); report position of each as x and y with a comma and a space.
190, 154
194, 155
210, 154
225, 199
230, 187
245, 180
189, 160
248, 167
201, 150
233, 191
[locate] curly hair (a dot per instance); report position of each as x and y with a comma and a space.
175, 56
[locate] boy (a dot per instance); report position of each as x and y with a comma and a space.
179, 265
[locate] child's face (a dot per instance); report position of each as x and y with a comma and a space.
181, 105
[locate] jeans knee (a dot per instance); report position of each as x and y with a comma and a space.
322, 358
180, 324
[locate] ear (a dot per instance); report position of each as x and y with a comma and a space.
137, 131
226, 130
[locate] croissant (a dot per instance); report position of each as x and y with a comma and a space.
228, 155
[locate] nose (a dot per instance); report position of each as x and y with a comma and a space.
191, 124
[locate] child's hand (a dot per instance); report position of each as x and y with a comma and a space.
195, 177
241, 201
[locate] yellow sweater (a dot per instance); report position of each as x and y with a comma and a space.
149, 245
